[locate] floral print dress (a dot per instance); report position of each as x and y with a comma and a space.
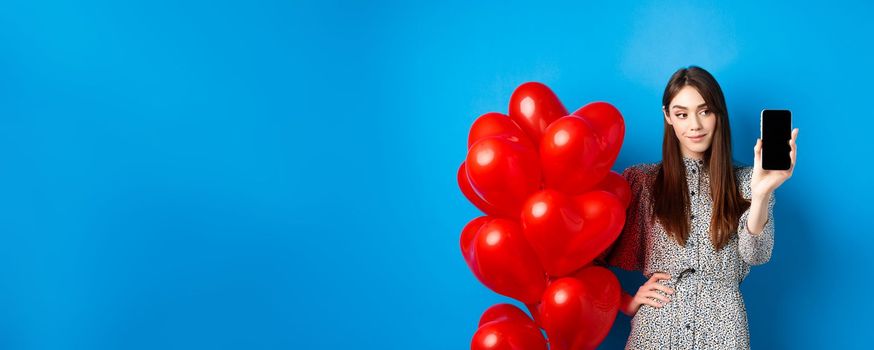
707, 311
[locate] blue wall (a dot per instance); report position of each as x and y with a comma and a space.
266, 174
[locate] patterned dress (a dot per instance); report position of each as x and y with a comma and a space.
707, 311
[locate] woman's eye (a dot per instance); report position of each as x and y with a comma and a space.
680, 115
705, 112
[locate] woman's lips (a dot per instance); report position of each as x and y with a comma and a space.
698, 138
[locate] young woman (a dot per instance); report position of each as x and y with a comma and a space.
695, 226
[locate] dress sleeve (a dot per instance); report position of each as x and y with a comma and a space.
755, 249
627, 252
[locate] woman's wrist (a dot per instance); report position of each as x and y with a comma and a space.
762, 196
625, 303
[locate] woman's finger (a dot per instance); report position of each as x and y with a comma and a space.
659, 276
650, 302
757, 152
655, 295
662, 287
641, 299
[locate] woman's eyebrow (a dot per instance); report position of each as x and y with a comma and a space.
684, 107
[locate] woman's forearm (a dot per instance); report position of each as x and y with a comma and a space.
758, 213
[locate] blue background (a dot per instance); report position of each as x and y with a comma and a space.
271, 174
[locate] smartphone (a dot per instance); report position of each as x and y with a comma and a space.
776, 130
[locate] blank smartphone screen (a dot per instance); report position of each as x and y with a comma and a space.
776, 133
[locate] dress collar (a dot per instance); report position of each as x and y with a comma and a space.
693, 164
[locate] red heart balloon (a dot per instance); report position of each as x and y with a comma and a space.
604, 215
505, 327
606, 119
569, 152
534, 309
503, 173
610, 127
606, 293
618, 186
497, 124
577, 151
503, 312
468, 233
577, 312
533, 106
472, 196
501, 259
568, 232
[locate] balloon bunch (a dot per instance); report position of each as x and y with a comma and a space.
542, 177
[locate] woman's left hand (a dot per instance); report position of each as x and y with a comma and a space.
764, 182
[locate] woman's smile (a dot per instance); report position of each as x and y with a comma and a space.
697, 138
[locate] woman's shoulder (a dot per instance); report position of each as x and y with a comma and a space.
645, 173
642, 169
743, 172
744, 176
641, 174
650, 170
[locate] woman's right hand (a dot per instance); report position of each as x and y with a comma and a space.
647, 292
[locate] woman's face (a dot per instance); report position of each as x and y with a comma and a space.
692, 120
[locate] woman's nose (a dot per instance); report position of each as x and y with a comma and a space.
696, 123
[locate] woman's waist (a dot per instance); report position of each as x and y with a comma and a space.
686, 276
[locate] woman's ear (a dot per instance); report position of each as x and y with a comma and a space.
667, 118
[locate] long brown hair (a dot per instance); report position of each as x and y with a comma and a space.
670, 191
